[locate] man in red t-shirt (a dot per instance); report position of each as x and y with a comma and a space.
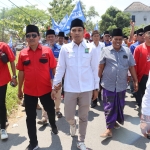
34, 64
6, 55
142, 59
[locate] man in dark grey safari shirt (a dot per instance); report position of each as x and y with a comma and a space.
115, 62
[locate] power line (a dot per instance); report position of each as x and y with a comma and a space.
3, 3
22, 10
41, 3
30, 3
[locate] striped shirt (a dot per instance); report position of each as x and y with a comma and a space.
116, 68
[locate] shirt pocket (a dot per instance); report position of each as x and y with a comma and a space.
43, 60
86, 59
71, 60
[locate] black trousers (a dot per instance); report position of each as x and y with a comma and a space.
30, 108
141, 91
3, 106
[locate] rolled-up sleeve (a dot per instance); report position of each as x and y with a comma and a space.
102, 57
94, 65
61, 67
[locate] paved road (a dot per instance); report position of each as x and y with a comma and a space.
128, 137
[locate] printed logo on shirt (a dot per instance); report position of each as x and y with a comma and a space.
43, 55
87, 50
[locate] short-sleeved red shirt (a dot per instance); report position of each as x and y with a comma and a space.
36, 66
4, 71
142, 59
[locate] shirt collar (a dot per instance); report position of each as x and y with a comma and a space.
39, 47
111, 48
84, 44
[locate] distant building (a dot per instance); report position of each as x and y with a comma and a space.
140, 13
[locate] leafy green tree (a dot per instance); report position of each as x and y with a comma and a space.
59, 8
15, 19
114, 18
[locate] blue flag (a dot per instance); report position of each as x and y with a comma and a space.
55, 26
76, 13
63, 22
96, 27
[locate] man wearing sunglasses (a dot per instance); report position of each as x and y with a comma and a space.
107, 39
34, 63
140, 39
142, 59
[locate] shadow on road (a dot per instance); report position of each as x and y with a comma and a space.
13, 140
133, 120
128, 137
56, 144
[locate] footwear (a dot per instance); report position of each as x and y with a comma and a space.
106, 135
93, 105
42, 122
116, 126
81, 146
73, 129
30, 147
4, 134
54, 130
58, 114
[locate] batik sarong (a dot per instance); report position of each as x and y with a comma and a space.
113, 103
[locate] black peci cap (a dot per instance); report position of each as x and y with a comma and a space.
32, 28
77, 23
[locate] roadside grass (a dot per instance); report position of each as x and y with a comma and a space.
12, 100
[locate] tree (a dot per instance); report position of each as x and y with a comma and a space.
114, 18
16, 19
90, 14
59, 8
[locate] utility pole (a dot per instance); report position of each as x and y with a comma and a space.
3, 16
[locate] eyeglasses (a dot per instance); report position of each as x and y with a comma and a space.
33, 35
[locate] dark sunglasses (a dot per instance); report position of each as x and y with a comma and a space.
140, 34
33, 35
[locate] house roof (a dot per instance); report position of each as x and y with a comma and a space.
137, 6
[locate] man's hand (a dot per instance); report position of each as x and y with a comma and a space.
53, 94
57, 87
135, 86
20, 94
14, 81
95, 95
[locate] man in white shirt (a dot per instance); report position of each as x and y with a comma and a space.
81, 82
97, 46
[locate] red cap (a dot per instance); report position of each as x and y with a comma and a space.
86, 35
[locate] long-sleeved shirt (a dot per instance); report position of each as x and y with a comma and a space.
79, 64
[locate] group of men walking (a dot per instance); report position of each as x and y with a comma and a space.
85, 68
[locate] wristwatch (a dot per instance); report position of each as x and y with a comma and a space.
15, 77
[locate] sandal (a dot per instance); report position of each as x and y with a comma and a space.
58, 114
106, 135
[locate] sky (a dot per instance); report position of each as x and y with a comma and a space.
100, 5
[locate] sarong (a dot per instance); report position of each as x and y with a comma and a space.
113, 103
145, 124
